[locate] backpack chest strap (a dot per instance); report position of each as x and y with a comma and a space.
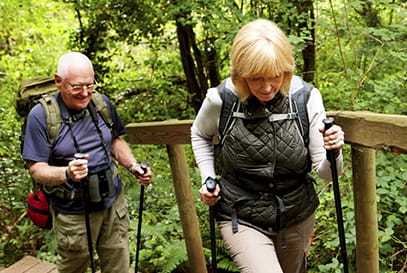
271, 117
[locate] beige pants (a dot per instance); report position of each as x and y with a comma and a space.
109, 230
254, 252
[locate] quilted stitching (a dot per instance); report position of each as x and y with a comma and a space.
260, 141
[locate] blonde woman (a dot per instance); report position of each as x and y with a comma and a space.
265, 200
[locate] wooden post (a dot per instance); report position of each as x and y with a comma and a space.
186, 207
364, 191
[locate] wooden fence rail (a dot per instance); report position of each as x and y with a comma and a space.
366, 132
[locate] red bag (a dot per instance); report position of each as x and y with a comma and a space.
38, 209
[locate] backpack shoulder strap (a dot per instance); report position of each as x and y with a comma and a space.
229, 101
53, 114
102, 107
301, 97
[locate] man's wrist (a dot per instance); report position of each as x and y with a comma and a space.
130, 167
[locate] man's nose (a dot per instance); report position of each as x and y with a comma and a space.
85, 91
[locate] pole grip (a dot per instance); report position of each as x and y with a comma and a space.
328, 122
144, 166
79, 156
210, 184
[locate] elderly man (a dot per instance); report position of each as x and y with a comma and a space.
88, 133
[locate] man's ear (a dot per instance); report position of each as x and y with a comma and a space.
58, 81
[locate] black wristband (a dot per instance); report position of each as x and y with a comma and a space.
68, 178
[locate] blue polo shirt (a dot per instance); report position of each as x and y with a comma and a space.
37, 148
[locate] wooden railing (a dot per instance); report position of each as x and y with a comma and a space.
366, 132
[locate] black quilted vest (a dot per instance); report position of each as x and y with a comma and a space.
264, 178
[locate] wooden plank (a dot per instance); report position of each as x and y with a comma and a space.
23, 265
372, 130
43, 267
367, 129
30, 264
160, 132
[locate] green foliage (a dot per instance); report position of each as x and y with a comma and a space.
32, 33
173, 101
370, 58
392, 207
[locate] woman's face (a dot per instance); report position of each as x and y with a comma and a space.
264, 87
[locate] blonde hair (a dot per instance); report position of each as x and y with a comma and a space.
261, 48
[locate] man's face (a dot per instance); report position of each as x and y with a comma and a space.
77, 87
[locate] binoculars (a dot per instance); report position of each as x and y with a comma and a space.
100, 182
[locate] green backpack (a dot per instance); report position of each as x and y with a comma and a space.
41, 90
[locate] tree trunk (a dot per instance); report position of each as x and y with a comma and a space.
212, 63
308, 53
188, 64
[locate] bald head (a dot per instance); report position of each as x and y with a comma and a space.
72, 61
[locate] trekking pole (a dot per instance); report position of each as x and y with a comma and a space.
329, 121
211, 186
143, 166
87, 221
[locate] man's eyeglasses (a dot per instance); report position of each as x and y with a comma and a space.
87, 87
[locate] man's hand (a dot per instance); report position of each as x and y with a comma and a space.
78, 168
143, 173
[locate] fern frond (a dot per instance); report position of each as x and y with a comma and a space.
175, 255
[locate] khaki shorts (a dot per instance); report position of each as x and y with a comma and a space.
109, 230
254, 252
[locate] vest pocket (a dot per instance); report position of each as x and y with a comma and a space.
301, 202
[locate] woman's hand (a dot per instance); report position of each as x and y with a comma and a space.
209, 198
334, 137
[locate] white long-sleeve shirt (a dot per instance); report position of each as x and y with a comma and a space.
205, 127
